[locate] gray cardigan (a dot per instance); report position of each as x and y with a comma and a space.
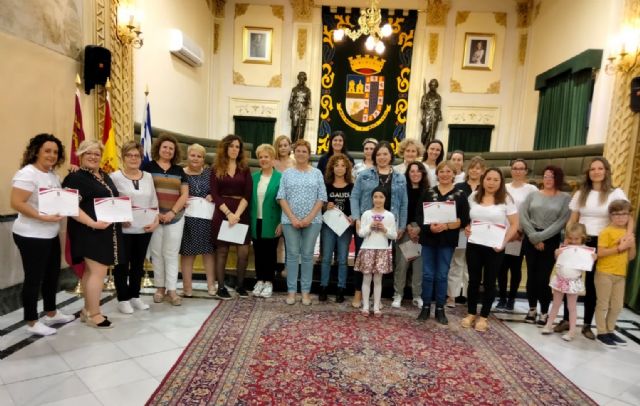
546, 213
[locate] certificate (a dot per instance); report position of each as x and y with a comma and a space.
235, 233
576, 257
143, 217
487, 234
439, 212
56, 201
336, 220
513, 248
199, 207
410, 250
113, 209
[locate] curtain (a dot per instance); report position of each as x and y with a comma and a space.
632, 296
469, 138
563, 110
255, 130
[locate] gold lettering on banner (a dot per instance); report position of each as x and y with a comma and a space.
326, 106
522, 49
403, 80
302, 42
327, 36
494, 88
278, 12
462, 16
437, 11
323, 144
275, 81
238, 79
401, 110
358, 127
433, 46
454, 86
501, 18
241, 9
327, 76
405, 40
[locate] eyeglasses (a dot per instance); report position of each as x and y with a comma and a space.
134, 156
94, 154
619, 214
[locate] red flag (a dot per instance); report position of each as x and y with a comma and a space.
109, 161
78, 133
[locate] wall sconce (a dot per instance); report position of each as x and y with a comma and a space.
624, 51
128, 26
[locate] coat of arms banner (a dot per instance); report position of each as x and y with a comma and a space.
362, 93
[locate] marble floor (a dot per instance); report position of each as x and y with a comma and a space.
124, 365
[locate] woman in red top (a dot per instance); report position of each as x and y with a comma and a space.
231, 189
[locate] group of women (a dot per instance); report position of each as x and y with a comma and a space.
286, 198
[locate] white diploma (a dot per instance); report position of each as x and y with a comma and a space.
113, 209
235, 233
462, 240
56, 201
513, 248
336, 220
199, 207
576, 257
143, 217
487, 234
439, 212
410, 250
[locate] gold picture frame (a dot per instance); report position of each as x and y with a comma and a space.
257, 45
479, 51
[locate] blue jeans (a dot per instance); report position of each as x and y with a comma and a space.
435, 270
300, 243
330, 243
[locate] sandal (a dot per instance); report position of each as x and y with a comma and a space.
104, 324
158, 297
174, 300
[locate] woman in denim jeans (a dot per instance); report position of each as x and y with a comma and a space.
395, 184
301, 195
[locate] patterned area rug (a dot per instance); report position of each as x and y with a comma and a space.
264, 352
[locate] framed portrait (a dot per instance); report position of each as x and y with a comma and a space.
478, 51
256, 45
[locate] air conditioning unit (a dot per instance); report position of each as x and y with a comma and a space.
185, 48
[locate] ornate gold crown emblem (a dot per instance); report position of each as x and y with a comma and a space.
367, 64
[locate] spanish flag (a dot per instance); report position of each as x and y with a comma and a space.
109, 161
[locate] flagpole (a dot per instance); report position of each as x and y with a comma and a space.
146, 280
78, 289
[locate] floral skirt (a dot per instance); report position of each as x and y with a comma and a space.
374, 261
573, 286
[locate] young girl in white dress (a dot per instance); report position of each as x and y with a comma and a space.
567, 281
377, 227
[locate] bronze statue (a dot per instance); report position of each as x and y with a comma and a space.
431, 112
298, 107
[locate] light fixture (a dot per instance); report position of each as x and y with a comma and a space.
128, 21
624, 51
368, 24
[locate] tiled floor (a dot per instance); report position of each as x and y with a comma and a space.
124, 365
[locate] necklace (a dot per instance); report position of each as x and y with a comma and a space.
387, 178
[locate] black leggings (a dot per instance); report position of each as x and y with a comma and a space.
265, 251
132, 267
590, 287
539, 267
41, 264
483, 263
513, 263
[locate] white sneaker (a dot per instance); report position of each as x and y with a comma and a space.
268, 290
257, 289
125, 307
138, 304
397, 302
58, 318
417, 302
41, 330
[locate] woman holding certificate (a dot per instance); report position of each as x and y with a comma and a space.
444, 210
395, 186
36, 234
172, 189
494, 222
196, 236
138, 186
301, 195
231, 189
97, 243
543, 214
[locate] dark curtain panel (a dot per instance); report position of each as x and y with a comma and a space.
632, 297
255, 130
563, 111
469, 138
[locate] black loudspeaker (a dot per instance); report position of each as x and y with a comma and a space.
635, 94
97, 66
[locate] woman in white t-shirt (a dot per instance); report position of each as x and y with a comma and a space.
519, 188
36, 234
589, 206
489, 203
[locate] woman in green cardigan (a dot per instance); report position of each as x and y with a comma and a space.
265, 220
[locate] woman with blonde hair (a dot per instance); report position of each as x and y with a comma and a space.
231, 189
196, 237
283, 160
410, 150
